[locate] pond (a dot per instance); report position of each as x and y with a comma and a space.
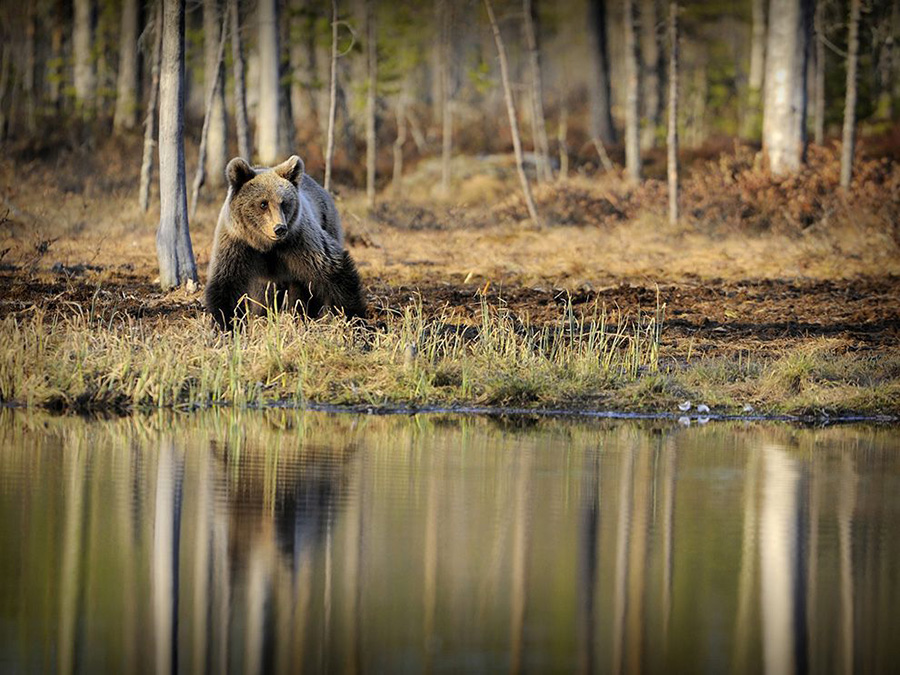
281, 541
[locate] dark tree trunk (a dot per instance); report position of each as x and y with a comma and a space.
599, 88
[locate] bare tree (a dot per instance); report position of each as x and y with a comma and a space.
212, 96
538, 120
753, 114
849, 139
332, 104
214, 31
245, 148
402, 123
173, 239
85, 76
372, 81
819, 55
600, 92
672, 142
653, 75
267, 114
446, 41
125, 117
511, 111
784, 113
152, 105
633, 94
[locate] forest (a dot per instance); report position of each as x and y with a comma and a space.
584, 204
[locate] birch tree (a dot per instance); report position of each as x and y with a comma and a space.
601, 124
173, 239
85, 76
125, 116
445, 15
242, 125
784, 113
267, 114
511, 112
849, 138
653, 72
632, 94
214, 81
150, 120
819, 55
332, 102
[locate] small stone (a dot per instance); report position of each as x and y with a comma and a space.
685, 406
702, 408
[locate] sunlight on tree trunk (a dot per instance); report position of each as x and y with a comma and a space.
173, 239
849, 137
672, 141
397, 178
150, 121
267, 113
125, 118
784, 114
446, 18
632, 94
85, 77
242, 125
511, 111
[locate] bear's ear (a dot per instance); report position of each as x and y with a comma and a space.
238, 172
291, 169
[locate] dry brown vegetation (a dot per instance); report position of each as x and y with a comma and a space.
778, 293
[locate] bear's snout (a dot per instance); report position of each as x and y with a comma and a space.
280, 230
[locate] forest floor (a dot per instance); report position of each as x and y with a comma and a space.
770, 297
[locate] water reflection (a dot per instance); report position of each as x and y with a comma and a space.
283, 542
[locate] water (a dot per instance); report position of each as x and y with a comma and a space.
282, 541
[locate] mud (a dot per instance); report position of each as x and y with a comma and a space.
712, 317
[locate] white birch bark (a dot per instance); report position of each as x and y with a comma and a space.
372, 80
849, 137
267, 117
242, 125
85, 76
672, 142
214, 81
632, 95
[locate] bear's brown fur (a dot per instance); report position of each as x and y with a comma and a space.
279, 239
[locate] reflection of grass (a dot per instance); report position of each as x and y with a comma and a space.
93, 360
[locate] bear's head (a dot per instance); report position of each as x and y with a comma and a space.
264, 202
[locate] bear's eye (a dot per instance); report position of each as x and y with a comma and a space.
264, 205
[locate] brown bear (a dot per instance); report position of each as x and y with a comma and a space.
279, 239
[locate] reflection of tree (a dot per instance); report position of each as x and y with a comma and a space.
846, 507
521, 543
783, 586
623, 533
588, 545
166, 549
71, 586
748, 569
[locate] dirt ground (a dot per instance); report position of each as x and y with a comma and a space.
72, 238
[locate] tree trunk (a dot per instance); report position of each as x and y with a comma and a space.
55, 70
397, 179
446, 19
152, 105
29, 90
245, 149
753, 115
784, 115
511, 111
538, 120
125, 117
173, 239
372, 80
849, 140
5, 86
601, 125
819, 103
212, 96
562, 134
287, 136
633, 94
672, 142
85, 78
332, 101
267, 118
214, 30
652, 51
